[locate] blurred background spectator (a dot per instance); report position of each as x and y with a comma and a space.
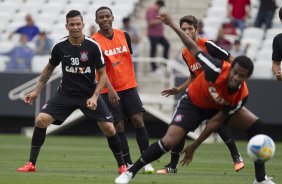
238, 11
237, 49
43, 44
221, 41
134, 36
265, 13
29, 29
155, 31
92, 30
20, 56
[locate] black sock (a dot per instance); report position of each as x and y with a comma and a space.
175, 154
115, 146
226, 135
253, 130
155, 151
142, 139
125, 148
37, 141
260, 171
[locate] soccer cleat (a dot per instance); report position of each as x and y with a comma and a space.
122, 169
167, 170
268, 180
124, 178
148, 169
238, 163
29, 167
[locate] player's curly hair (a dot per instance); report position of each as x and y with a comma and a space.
103, 8
73, 13
244, 62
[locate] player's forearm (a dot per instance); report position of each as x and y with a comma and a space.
44, 77
212, 125
184, 86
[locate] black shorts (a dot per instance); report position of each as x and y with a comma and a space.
60, 106
129, 104
188, 116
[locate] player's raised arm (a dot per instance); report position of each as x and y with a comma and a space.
188, 42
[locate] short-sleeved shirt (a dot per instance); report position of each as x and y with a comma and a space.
30, 31
239, 8
78, 63
154, 30
119, 65
277, 48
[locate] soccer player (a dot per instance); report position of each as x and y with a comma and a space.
120, 94
277, 53
218, 93
189, 24
79, 56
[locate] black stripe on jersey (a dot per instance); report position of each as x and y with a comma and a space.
216, 51
211, 66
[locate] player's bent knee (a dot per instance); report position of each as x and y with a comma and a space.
43, 120
107, 128
137, 120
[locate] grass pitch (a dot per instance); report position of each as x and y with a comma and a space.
88, 160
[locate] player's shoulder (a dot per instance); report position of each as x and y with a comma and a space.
90, 41
60, 42
278, 37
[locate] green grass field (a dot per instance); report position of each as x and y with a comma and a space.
88, 160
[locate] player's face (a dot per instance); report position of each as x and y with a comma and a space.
236, 76
190, 30
75, 26
104, 19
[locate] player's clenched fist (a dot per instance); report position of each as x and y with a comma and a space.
30, 97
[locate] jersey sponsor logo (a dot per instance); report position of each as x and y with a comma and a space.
195, 66
75, 69
218, 99
178, 118
67, 56
83, 56
115, 51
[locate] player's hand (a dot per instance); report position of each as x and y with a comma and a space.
30, 97
171, 91
113, 98
91, 103
278, 76
188, 155
165, 18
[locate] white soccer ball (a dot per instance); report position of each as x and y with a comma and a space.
261, 148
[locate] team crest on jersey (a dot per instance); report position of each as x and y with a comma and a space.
83, 56
178, 118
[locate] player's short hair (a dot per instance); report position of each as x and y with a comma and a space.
160, 3
73, 13
280, 13
190, 19
103, 8
244, 62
